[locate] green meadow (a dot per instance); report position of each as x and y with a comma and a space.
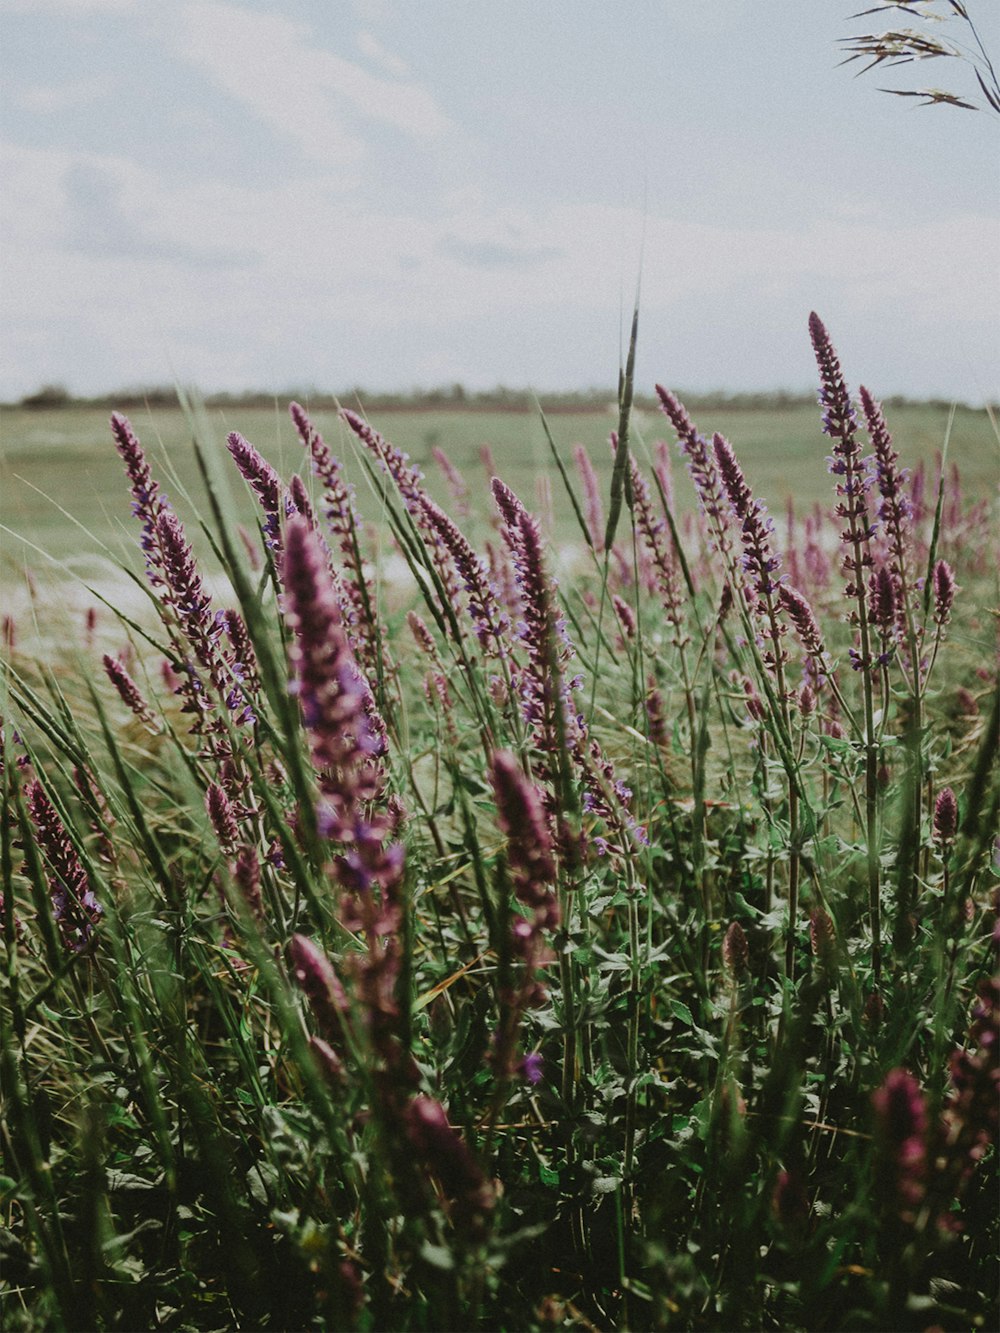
64, 460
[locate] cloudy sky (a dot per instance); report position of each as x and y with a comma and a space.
390, 193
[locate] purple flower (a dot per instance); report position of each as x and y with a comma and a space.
822, 936
972, 1113
735, 950
882, 599
593, 505
336, 703
801, 614
319, 983
532, 1065
222, 817
246, 873
841, 424
455, 481
409, 482
340, 515
489, 618
945, 816
894, 509
944, 592
127, 689
701, 467
529, 843
264, 481
901, 1131
147, 502
651, 528
756, 528
73, 900
447, 1157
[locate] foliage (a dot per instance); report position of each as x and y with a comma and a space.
903, 46
482, 950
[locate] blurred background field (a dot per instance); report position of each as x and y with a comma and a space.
64, 460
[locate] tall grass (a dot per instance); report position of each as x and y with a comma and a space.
504, 952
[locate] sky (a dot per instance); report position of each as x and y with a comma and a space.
318, 194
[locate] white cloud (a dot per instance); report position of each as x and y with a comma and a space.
68, 8
272, 65
371, 47
299, 281
51, 99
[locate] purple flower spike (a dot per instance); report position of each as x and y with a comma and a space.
901, 1125
759, 562
73, 900
222, 817
801, 614
701, 466
147, 502
455, 481
894, 509
445, 1155
341, 519
264, 481
529, 847
488, 616
944, 592
945, 817
336, 702
594, 507
735, 950
839, 419
882, 600
127, 689
319, 983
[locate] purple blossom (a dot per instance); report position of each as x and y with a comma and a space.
319, 983
972, 1113
73, 900
735, 950
759, 562
882, 599
802, 616
945, 816
346, 743
894, 509
147, 502
944, 592
222, 817
529, 843
701, 466
445, 1155
127, 689
264, 481
246, 873
340, 515
822, 936
489, 618
409, 482
593, 505
455, 481
532, 1067
901, 1132
652, 528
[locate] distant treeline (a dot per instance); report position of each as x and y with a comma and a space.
453, 397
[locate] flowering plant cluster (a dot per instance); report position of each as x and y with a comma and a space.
592, 933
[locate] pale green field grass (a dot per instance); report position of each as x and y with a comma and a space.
65, 460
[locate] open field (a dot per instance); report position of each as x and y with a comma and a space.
65, 458
611, 952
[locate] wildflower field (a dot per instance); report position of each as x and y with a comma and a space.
558, 896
